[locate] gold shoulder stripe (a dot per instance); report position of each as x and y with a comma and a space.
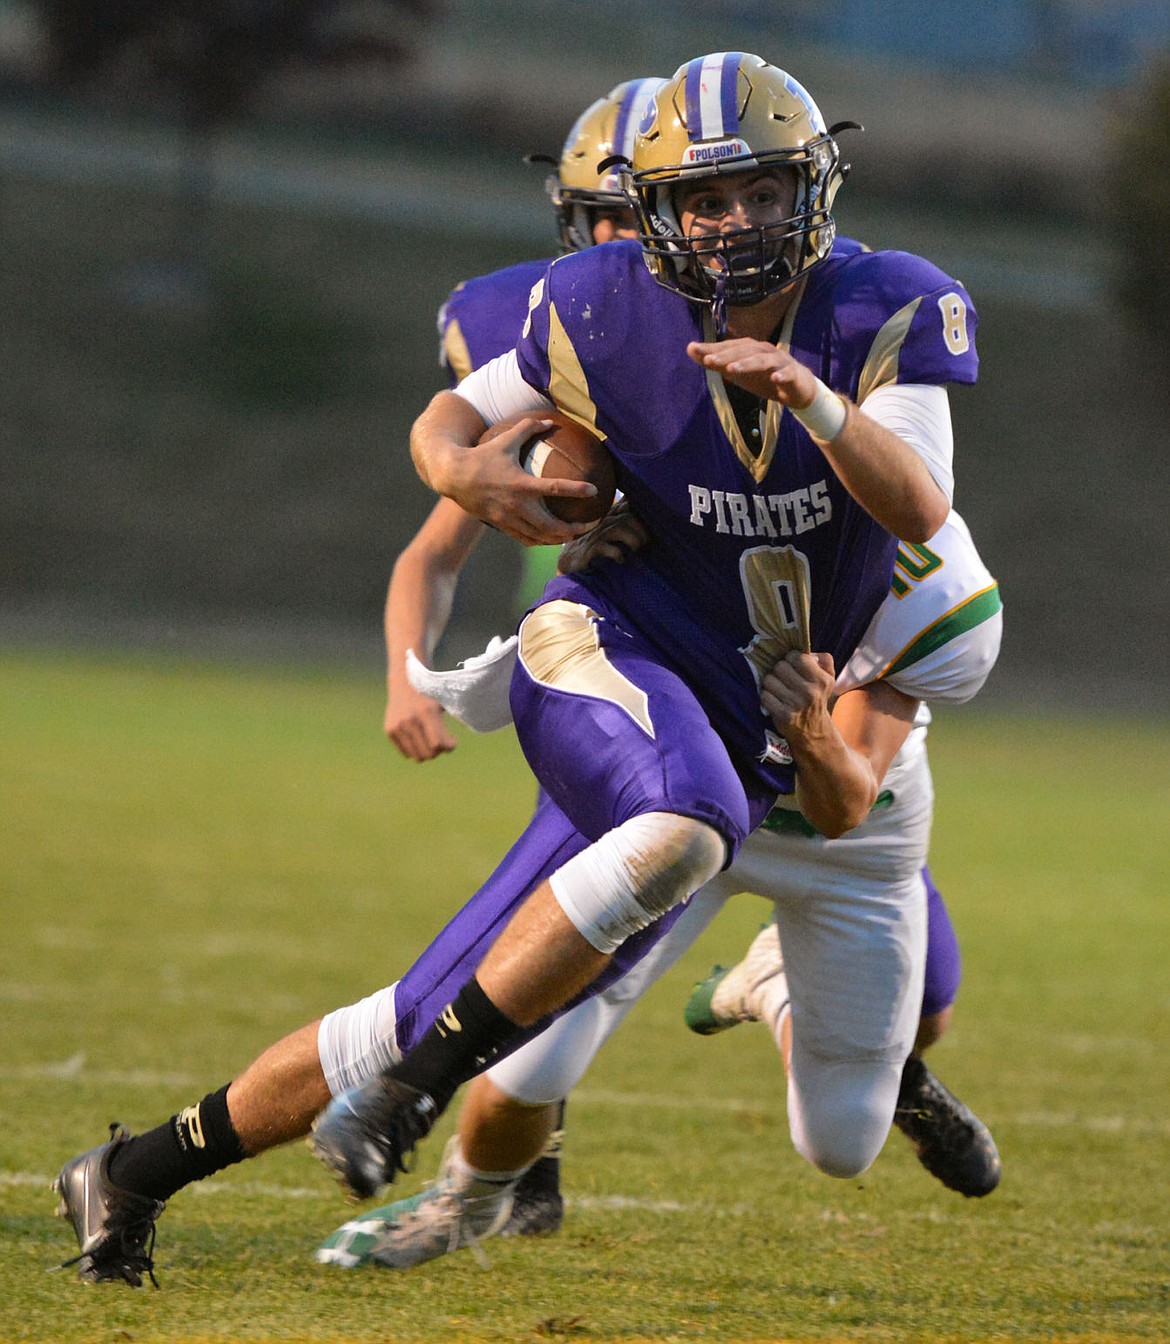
881, 365
567, 384
455, 351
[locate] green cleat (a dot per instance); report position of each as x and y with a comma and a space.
698, 1013
753, 990
438, 1220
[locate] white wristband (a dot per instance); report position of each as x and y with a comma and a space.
824, 416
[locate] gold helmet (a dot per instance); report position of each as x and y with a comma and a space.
726, 113
605, 129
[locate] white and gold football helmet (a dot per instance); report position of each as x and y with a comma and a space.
604, 130
726, 113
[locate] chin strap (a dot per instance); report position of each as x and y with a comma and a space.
719, 306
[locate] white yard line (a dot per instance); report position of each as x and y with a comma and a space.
74, 1070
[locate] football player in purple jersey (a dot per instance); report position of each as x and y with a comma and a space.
844, 909
479, 321
666, 702
778, 419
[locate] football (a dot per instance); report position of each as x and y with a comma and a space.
567, 451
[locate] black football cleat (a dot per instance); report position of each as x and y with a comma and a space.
366, 1135
952, 1143
114, 1228
538, 1209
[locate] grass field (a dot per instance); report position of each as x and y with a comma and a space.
195, 859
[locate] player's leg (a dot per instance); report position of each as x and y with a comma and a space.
951, 1141
855, 981
509, 1117
754, 988
943, 968
622, 745
851, 920
363, 1039
115, 1193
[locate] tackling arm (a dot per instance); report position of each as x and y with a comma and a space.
842, 754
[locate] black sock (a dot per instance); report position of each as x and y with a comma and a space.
468, 1034
544, 1176
197, 1142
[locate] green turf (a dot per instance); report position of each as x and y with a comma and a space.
195, 859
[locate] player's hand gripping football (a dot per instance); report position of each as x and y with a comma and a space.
487, 480
618, 535
492, 485
484, 476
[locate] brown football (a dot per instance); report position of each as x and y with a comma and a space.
570, 452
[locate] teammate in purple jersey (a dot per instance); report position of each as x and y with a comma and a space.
480, 320
772, 521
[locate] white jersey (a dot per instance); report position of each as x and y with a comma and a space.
936, 636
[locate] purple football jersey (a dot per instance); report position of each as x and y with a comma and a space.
728, 528
482, 317
752, 544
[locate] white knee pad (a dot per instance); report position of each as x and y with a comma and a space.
356, 1042
635, 873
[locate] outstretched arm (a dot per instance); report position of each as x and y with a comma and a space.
886, 476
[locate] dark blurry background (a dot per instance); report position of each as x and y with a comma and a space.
226, 227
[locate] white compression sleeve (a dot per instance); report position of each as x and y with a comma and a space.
920, 414
498, 392
355, 1042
